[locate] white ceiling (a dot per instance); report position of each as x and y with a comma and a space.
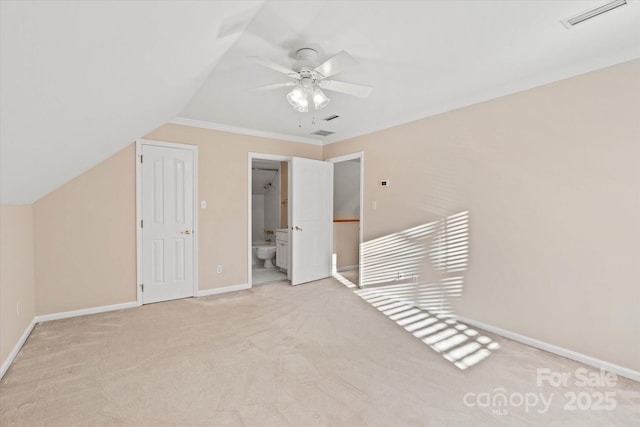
422, 58
81, 80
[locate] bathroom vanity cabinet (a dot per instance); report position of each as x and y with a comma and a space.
282, 249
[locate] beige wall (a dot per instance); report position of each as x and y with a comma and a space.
346, 240
85, 230
85, 239
551, 177
222, 170
17, 278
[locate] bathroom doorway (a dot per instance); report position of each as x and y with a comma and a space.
305, 241
269, 220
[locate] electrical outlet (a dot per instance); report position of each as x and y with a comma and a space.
219, 269
203, 204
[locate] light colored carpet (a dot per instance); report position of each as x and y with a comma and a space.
277, 355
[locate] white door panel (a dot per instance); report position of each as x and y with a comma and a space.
167, 231
311, 236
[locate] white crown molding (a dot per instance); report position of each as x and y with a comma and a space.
215, 291
244, 131
552, 348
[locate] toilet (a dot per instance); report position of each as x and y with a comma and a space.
266, 253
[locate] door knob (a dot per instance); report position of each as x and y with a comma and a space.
298, 228
186, 232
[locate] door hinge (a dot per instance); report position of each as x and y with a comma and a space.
142, 223
141, 158
142, 287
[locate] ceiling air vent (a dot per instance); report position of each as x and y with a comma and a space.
592, 13
322, 133
328, 119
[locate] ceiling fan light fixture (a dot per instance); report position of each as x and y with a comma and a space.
296, 95
302, 107
303, 93
320, 100
298, 98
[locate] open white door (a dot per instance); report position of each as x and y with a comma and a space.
167, 226
311, 236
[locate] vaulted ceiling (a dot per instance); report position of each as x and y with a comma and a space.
81, 80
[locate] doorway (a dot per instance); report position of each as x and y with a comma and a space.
347, 216
308, 235
269, 225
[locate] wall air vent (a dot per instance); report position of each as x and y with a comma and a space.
322, 133
592, 13
328, 119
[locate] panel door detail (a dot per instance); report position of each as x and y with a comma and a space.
167, 223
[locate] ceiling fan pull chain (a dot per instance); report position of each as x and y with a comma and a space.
299, 120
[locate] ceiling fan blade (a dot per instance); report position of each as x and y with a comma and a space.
275, 86
274, 66
336, 64
348, 88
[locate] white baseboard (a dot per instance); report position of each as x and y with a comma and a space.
16, 348
552, 348
348, 268
215, 291
85, 311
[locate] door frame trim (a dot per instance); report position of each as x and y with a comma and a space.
262, 156
194, 149
354, 156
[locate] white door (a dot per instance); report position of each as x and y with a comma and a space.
311, 236
167, 223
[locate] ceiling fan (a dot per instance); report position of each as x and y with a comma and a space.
309, 79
